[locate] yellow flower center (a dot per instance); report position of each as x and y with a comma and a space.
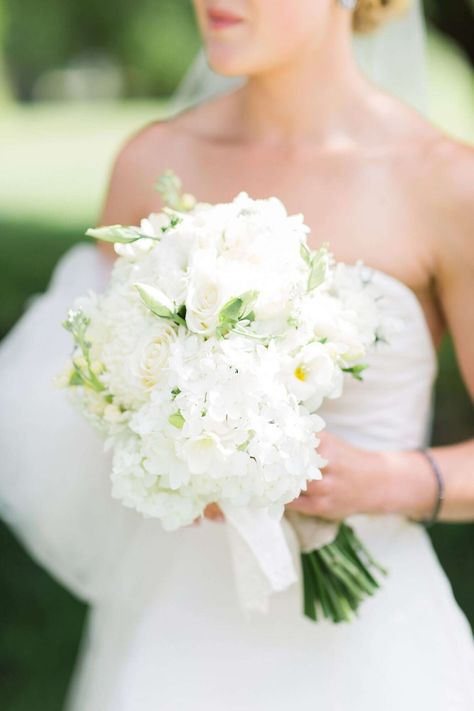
300, 373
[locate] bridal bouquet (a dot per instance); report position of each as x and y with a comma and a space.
204, 364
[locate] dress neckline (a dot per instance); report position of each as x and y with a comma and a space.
411, 294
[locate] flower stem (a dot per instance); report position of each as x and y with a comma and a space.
338, 577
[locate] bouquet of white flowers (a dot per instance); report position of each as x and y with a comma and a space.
204, 363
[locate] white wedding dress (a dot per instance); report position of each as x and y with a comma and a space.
165, 631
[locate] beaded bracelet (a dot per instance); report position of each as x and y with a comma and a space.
427, 522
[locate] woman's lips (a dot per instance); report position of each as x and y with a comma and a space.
222, 18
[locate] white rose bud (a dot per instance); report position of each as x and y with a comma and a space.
205, 300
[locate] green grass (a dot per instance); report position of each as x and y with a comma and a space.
55, 161
56, 157
40, 629
25, 271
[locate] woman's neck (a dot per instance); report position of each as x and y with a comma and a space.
317, 95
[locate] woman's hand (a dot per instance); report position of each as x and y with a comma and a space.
212, 512
360, 481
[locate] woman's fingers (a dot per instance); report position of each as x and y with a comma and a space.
303, 504
213, 512
312, 506
328, 447
319, 487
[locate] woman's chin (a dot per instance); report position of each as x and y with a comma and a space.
226, 63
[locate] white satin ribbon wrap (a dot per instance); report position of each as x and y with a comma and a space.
265, 550
312, 533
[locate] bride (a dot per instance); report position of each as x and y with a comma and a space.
375, 179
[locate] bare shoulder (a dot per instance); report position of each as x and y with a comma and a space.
449, 167
437, 155
444, 192
438, 172
201, 123
448, 185
147, 152
435, 174
140, 159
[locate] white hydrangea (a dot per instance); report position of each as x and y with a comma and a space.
205, 360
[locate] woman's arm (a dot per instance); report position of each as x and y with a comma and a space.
401, 482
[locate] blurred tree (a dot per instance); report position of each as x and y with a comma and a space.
153, 40
5, 89
455, 19
158, 45
37, 38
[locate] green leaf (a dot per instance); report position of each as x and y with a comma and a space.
177, 420
76, 378
153, 299
319, 268
169, 186
222, 331
305, 253
174, 221
356, 370
316, 275
181, 312
229, 313
239, 307
243, 447
115, 233
235, 311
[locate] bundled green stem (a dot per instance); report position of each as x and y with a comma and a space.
338, 577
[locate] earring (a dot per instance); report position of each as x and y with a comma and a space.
348, 4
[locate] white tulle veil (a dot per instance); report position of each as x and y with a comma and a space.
393, 57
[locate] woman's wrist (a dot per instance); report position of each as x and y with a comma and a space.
411, 488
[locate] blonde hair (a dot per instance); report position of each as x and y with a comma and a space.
370, 14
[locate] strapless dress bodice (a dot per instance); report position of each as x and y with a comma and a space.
391, 407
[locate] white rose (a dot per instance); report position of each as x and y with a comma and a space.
151, 355
204, 300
